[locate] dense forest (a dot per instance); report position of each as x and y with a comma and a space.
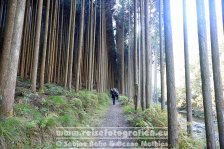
94, 45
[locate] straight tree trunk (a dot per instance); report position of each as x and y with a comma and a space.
42, 71
129, 53
88, 45
204, 65
171, 91
109, 5
161, 55
94, 47
32, 40
99, 52
139, 55
187, 71
53, 42
136, 56
68, 44
142, 57
29, 42
91, 47
122, 51
24, 42
8, 83
37, 46
120, 48
61, 44
104, 50
57, 43
148, 56
216, 71
80, 46
72, 47
8, 33
49, 63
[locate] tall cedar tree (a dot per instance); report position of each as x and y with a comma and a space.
90, 47
80, 47
136, 56
10, 59
216, 71
204, 64
44, 51
37, 46
148, 57
68, 44
162, 75
120, 47
129, 81
142, 56
171, 91
72, 46
5, 56
7, 39
187, 71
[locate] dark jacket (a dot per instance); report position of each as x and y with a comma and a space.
114, 93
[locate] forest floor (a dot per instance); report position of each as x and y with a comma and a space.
114, 117
114, 121
37, 117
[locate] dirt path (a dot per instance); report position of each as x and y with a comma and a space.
113, 121
114, 117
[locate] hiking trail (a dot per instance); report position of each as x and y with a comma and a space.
114, 120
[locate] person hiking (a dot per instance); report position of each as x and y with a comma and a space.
114, 94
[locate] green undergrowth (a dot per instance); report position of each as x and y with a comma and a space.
36, 117
155, 117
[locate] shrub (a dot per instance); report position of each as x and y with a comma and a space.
52, 89
76, 103
55, 103
56, 100
49, 121
124, 100
135, 118
68, 120
186, 142
12, 133
36, 116
89, 101
103, 98
155, 117
27, 111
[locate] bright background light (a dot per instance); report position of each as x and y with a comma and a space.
177, 24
